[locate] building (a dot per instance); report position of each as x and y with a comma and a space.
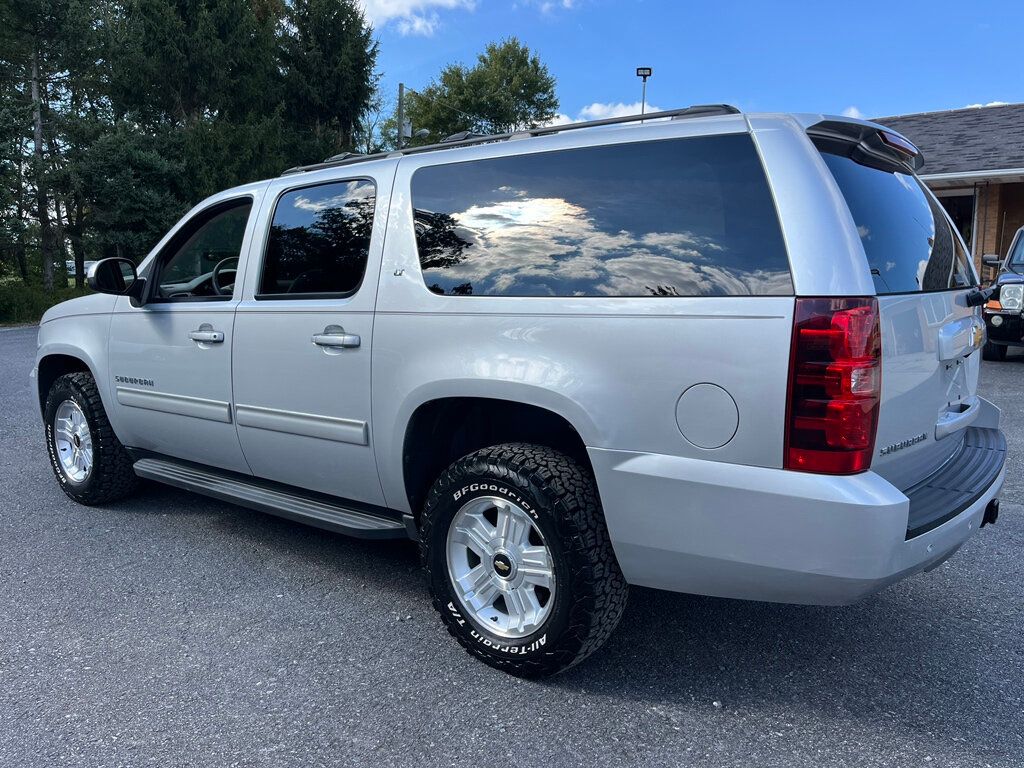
974, 162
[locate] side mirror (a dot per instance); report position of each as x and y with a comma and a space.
992, 260
114, 276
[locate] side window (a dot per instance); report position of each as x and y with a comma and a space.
677, 217
319, 241
211, 243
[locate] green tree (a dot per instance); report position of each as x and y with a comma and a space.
508, 89
116, 116
201, 77
31, 32
328, 56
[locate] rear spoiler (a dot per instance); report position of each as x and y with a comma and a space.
867, 143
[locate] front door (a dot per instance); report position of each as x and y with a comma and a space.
170, 359
302, 337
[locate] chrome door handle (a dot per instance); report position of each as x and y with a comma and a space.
206, 336
335, 336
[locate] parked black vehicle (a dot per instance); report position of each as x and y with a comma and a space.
1004, 313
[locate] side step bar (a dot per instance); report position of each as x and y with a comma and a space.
321, 513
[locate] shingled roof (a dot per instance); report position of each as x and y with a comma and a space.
965, 140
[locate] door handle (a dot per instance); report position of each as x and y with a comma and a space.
335, 336
206, 336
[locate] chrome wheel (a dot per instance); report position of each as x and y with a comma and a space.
73, 441
500, 567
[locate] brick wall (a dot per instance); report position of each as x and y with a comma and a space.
988, 220
1000, 213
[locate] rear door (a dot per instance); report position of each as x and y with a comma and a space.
931, 338
301, 357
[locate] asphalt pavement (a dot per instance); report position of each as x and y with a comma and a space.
174, 630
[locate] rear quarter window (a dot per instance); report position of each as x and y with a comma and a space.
910, 245
679, 217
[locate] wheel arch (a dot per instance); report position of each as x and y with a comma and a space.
443, 429
52, 365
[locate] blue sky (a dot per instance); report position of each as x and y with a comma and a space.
872, 59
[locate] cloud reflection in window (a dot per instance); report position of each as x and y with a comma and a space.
636, 221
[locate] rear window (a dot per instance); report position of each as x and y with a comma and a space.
679, 217
909, 242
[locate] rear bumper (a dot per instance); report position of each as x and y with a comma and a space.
768, 534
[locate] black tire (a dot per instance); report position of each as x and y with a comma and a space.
111, 476
992, 351
562, 499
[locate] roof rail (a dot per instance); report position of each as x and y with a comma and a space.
700, 110
462, 136
343, 156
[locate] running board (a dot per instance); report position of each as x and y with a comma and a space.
321, 513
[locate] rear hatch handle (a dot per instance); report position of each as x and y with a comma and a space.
957, 417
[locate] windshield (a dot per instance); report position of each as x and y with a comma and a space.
1017, 253
910, 244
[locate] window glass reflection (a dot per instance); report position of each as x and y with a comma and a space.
319, 240
681, 217
908, 240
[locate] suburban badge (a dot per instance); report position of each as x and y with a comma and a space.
899, 446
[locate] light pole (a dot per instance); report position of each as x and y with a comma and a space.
644, 72
401, 114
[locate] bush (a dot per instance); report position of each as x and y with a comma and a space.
20, 303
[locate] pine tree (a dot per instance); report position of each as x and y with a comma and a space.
328, 56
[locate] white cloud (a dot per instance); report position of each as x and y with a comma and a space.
599, 111
418, 25
989, 104
522, 243
550, 6
853, 112
412, 17
420, 17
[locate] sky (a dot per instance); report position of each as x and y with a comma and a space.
868, 59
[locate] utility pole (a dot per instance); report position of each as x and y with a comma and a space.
401, 114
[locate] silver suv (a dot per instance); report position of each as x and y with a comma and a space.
711, 352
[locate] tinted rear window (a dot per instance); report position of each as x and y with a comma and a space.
319, 241
909, 243
680, 217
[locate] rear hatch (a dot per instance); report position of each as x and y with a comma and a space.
930, 336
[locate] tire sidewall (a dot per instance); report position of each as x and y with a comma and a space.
65, 389
462, 487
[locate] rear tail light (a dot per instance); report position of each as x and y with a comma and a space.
835, 383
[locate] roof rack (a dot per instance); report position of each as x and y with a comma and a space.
343, 156
700, 110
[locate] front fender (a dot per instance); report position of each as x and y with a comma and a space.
83, 337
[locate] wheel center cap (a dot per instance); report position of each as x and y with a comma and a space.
77, 440
503, 565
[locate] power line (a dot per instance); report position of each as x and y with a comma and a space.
444, 104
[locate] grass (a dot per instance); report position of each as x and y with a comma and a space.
22, 304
